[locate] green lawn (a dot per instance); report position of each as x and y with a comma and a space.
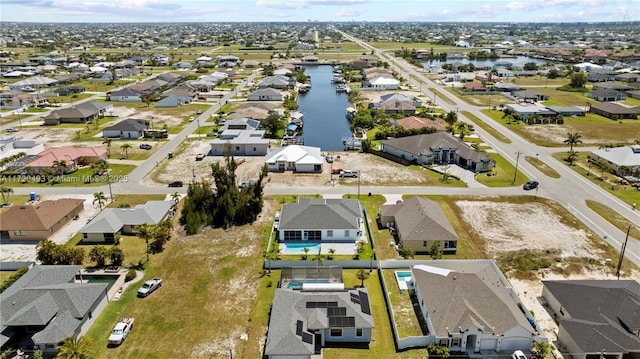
14, 198
620, 222
502, 174
602, 178
405, 317
134, 199
594, 129
478, 122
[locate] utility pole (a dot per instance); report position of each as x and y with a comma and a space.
515, 173
358, 185
624, 247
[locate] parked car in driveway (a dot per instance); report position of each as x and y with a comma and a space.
329, 159
530, 185
176, 184
149, 286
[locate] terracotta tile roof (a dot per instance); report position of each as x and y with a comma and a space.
40, 216
68, 154
417, 122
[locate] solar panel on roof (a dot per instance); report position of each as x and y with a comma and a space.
365, 307
299, 327
355, 300
307, 338
332, 304
336, 311
342, 322
312, 305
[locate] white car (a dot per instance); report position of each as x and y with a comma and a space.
149, 286
121, 331
518, 354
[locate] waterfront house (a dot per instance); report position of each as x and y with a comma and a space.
265, 94
438, 148
240, 137
296, 158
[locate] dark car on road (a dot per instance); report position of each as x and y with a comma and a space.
530, 185
176, 184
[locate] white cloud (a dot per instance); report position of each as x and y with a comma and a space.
348, 12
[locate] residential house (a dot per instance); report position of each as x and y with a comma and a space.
438, 148
526, 111
568, 110
321, 220
380, 83
606, 95
300, 159
628, 77
227, 60
613, 111
129, 128
419, 223
474, 308
394, 104
600, 75
182, 65
111, 221
33, 83
618, 159
47, 305
413, 122
611, 85
240, 137
277, 82
69, 90
69, 156
126, 94
204, 60
81, 113
265, 94
530, 96
302, 322
596, 317
309, 59
252, 112
40, 220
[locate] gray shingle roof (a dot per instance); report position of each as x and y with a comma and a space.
130, 124
420, 219
289, 307
111, 220
47, 296
598, 312
472, 294
422, 145
321, 214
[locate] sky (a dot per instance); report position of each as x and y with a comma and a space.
61, 11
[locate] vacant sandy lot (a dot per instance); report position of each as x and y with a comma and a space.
511, 227
374, 170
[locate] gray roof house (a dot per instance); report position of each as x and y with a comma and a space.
419, 222
302, 322
265, 94
241, 137
438, 147
474, 309
46, 305
104, 226
596, 316
330, 220
129, 128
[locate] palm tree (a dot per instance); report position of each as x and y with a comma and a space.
463, 128
60, 166
5, 192
362, 275
107, 141
75, 347
145, 232
451, 118
573, 138
126, 148
100, 198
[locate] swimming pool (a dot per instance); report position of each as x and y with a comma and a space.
109, 279
297, 284
298, 248
404, 278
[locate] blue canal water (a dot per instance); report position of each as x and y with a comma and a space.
485, 62
324, 111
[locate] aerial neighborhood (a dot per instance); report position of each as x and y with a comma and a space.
319, 189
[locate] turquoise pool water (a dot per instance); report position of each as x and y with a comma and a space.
297, 284
403, 275
109, 279
298, 248
404, 279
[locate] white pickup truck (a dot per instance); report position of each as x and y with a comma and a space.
149, 286
120, 332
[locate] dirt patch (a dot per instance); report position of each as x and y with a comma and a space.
510, 227
552, 134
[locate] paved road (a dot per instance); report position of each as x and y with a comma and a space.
571, 190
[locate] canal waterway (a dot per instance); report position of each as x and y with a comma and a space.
485, 62
324, 111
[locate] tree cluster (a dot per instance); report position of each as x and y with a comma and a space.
100, 254
51, 253
227, 205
